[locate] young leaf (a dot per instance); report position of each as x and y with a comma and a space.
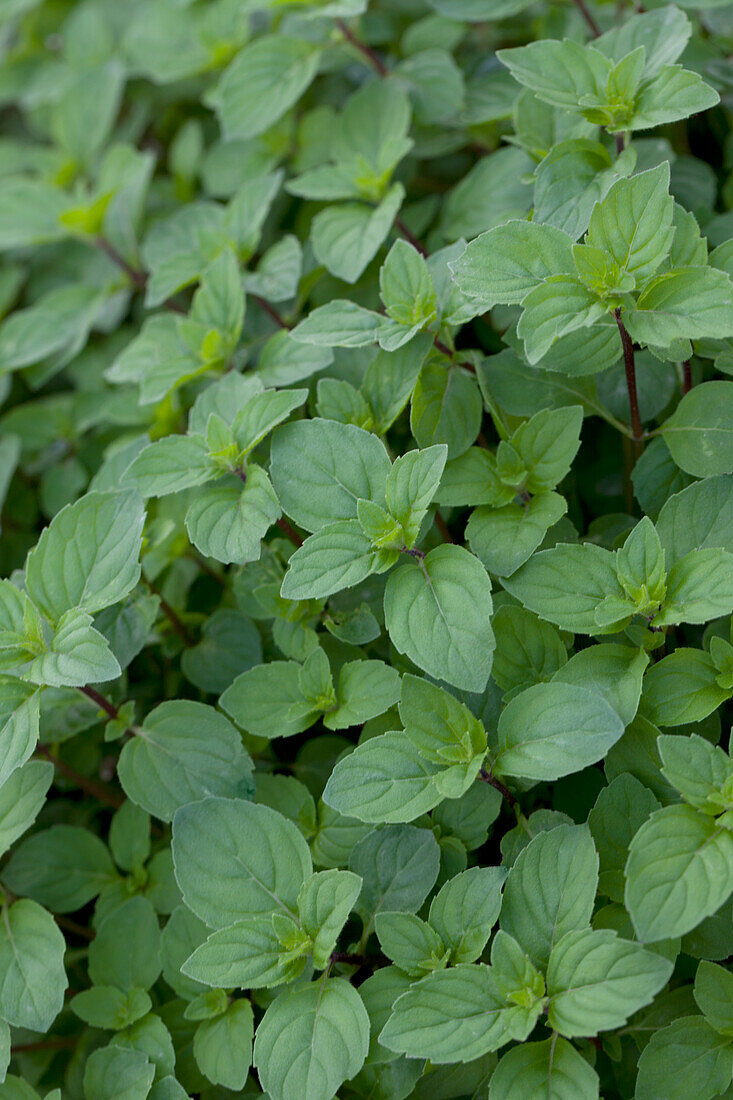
633, 223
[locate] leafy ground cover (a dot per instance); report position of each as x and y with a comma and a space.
366, 473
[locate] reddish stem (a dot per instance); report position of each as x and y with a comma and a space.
498, 786
371, 56
138, 278
271, 312
637, 431
103, 703
410, 237
443, 528
90, 786
686, 377
593, 27
171, 615
288, 529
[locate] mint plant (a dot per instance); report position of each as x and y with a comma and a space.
366, 602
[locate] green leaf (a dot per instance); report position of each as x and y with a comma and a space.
31, 212
234, 857
311, 1040
555, 308
364, 690
78, 655
115, 1073
267, 700
324, 904
595, 981
171, 464
87, 558
527, 649
227, 521
32, 976
613, 672
107, 1007
346, 237
699, 588
504, 538
398, 865
633, 223
506, 263
339, 324
442, 729
263, 412
465, 909
551, 1070
687, 303
246, 955
446, 408
674, 94
699, 433
385, 779
664, 33
547, 444
698, 517
21, 799
63, 868
555, 729
230, 644
182, 752
550, 890
19, 723
560, 73
85, 112
222, 1047
125, 953
620, 809
451, 1016
321, 468
412, 944
682, 688
411, 485
337, 556
438, 613
685, 1058
714, 996
265, 79
697, 769
573, 176
405, 286
679, 871
565, 585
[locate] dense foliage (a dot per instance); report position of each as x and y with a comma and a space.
366, 455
